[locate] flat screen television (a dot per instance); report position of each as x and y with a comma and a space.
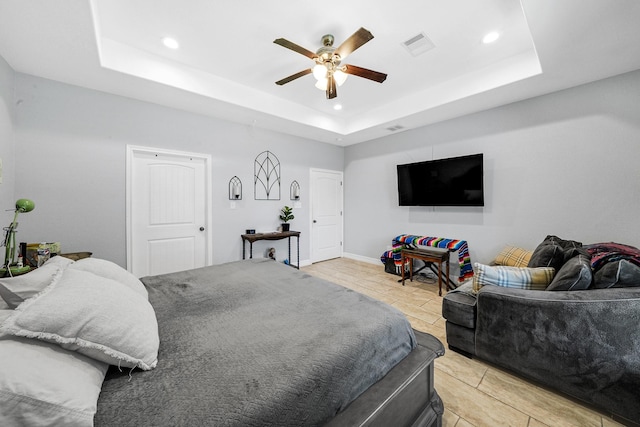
455, 181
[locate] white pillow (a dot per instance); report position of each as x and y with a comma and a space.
98, 317
111, 270
8, 298
27, 285
44, 384
60, 261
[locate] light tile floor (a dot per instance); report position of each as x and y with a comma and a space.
474, 393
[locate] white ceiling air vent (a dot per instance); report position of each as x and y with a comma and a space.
395, 128
419, 44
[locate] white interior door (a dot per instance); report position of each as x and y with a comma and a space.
168, 207
326, 215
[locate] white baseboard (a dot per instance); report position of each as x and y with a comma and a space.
375, 261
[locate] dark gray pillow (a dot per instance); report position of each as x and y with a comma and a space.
574, 275
547, 254
573, 252
554, 252
617, 274
566, 244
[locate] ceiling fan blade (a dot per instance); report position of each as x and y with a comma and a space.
331, 87
294, 47
294, 76
356, 40
363, 72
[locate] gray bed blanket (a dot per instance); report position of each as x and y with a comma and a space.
256, 343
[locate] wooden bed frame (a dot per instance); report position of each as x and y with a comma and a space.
404, 397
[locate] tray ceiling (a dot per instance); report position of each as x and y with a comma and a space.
226, 65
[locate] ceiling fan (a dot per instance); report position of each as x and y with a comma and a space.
328, 69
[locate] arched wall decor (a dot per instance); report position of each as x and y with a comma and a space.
235, 188
266, 176
294, 191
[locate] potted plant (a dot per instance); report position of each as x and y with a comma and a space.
286, 215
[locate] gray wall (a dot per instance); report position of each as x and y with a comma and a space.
563, 164
71, 146
7, 199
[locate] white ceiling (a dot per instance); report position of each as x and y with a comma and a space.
227, 63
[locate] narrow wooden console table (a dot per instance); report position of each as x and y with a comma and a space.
279, 235
430, 257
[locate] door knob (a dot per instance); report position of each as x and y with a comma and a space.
201, 228
314, 221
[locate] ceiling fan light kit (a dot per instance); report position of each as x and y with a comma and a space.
328, 70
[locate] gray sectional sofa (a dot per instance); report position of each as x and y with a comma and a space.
585, 343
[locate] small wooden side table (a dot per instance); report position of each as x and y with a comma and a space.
430, 257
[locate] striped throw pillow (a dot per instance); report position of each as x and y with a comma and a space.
537, 278
513, 256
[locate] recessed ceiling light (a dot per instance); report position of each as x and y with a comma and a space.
171, 43
491, 37
337, 107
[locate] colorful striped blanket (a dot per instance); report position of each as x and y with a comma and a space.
461, 246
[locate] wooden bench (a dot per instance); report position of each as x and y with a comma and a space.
430, 257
